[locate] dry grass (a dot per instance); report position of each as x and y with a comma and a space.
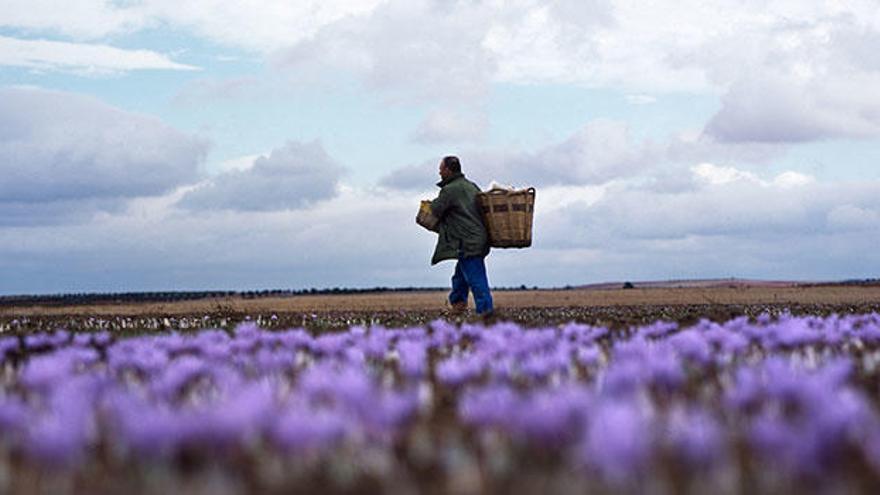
433, 300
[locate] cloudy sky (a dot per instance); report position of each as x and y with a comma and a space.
207, 144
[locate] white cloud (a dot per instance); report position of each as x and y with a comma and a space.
791, 71
290, 177
543, 41
599, 152
852, 217
239, 163
779, 108
733, 203
717, 175
81, 19
418, 177
602, 151
358, 238
445, 126
406, 50
641, 99
790, 178
260, 25
63, 154
366, 237
81, 58
800, 75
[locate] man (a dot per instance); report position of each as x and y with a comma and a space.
462, 237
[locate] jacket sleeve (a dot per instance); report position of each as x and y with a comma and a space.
441, 205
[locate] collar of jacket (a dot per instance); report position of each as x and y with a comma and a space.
449, 179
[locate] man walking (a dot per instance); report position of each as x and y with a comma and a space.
462, 237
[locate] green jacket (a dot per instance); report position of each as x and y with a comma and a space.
461, 230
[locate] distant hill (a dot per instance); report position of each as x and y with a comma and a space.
735, 283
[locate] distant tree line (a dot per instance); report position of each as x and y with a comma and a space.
176, 296
854, 282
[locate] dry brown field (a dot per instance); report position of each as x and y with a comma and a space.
504, 300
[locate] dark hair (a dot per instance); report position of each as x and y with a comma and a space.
452, 164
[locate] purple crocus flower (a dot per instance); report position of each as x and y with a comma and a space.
618, 440
215, 337
488, 407
140, 357
540, 366
782, 445
302, 430
729, 342
273, 361
457, 370
622, 378
746, 390
631, 350
501, 369
691, 345
57, 440
588, 355
8, 345
59, 338
330, 344
42, 372
791, 332
695, 436
238, 419
60, 433
102, 339
375, 345
442, 333
869, 332
345, 386
389, 411
13, 416
294, 339
551, 418
145, 429
178, 374
575, 331
82, 339
413, 358
247, 330
663, 369
658, 329
37, 341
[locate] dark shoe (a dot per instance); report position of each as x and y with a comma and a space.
458, 309
490, 317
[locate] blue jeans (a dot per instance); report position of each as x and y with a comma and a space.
470, 274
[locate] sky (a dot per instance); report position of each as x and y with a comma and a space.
157, 145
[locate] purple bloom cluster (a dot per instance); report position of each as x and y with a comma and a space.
797, 394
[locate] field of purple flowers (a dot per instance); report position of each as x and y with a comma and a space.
767, 405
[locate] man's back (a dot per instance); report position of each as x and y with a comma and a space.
461, 228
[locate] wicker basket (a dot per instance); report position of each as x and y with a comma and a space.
426, 218
508, 216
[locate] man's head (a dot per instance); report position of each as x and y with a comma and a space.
449, 166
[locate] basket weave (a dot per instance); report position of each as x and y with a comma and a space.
508, 216
426, 218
